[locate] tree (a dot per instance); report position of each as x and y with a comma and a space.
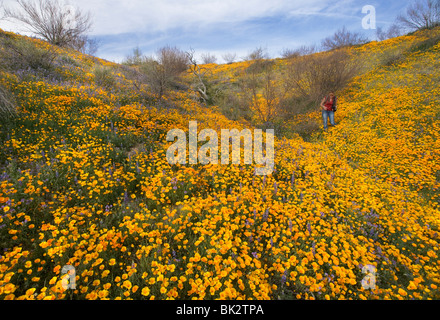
258, 54
208, 58
229, 57
262, 90
199, 84
343, 38
136, 58
58, 24
421, 14
86, 45
312, 77
163, 71
393, 31
299, 52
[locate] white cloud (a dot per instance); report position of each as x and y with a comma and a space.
217, 26
115, 16
333, 9
153, 16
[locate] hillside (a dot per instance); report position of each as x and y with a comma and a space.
85, 182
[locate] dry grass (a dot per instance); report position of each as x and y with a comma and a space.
8, 108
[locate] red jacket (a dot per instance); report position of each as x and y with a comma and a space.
329, 103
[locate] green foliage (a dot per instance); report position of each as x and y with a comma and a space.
67, 61
104, 77
232, 106
426, 45
392, 57
134, 59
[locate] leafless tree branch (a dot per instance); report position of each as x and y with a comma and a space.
343, 38
421, 14
61, 25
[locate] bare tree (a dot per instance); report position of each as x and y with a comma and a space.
199, 84
229, 57
343, 38
301, 51
61, 25
393, 31
258, 54
262, 90
311, 77
421, 14
208, 58
163, 71
87, 45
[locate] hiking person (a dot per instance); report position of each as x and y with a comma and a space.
328, 105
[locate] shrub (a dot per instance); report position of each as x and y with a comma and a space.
312, 77
393, 57
427, 44
164, 72
135, 58
229, 58
208, 58
233, 107
263, 91
393, 31
104, 77
260, 66
258, 54
67, 61
343, 38
299, 52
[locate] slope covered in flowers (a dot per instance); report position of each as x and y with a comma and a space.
85, 182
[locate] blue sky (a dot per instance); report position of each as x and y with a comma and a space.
222, 26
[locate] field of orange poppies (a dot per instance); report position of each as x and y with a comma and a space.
84, 181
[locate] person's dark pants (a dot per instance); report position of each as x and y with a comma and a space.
328, 115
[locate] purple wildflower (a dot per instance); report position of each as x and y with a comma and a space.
266, 214
284, 277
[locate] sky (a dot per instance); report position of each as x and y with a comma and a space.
219, 27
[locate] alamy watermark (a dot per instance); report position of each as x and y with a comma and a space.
369, 281
69, 17
369, 21
254, 150
68, 280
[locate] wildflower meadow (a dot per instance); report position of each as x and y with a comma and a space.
352, 213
